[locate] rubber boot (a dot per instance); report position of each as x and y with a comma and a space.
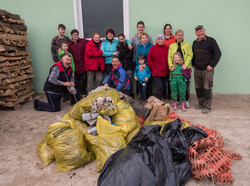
183, 106
174, 104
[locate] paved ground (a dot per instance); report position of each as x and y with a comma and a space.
22, 130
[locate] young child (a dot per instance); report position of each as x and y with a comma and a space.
56, 42
178, 82
142, 77
64, 50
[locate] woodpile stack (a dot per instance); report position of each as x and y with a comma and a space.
15, 63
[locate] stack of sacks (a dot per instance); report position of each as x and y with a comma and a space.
70, 136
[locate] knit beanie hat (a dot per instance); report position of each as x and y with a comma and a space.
111, 31
160, 36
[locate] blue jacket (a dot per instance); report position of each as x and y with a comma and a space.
143, 74
118, 79
143, 50
109, 48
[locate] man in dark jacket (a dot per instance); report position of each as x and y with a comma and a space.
60, 77
77, 49
118, 78
206, 56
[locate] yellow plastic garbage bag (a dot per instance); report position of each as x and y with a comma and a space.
46, 153
131, 135
69, 147
110, 138
86, 104
125, 117
76, 111
79, 123
163, 123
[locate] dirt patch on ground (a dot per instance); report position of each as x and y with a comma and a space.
22, 130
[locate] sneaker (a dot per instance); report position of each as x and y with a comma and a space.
198, 107
205, 110
187, 104
35, 104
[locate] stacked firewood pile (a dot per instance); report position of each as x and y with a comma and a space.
15, 63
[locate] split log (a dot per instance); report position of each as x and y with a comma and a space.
2, 93
14, 42
15, 68
15, 53
2, 103
9, 98
20, 99
7, 14
13, 28
9, 75
3, 58
4, 48
19, 78
10, 92
10, 20
12, 63
16, 84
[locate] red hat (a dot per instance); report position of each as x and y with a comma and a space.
111, 31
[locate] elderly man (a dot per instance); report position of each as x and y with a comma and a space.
206, 56
118, 78
77, 49
60, 77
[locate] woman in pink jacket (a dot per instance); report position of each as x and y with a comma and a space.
93, 61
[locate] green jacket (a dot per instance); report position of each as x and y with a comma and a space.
60, 54
186, 51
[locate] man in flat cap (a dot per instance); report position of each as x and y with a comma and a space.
206, 56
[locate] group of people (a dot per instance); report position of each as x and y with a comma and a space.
168, 63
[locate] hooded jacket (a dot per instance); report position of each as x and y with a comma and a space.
93, 58
143, 74
143, 50
118, 78
158, 60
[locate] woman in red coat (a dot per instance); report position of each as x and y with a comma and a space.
158, 64
93, 61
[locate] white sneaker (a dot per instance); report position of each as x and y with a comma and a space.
187, 105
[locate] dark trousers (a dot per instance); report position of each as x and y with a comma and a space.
82, 81
203, 86
161, 85
143, 90
149, 88
54, 101
130, 74
108, 68
169, 90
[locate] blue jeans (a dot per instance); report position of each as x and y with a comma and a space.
143, 90
54, 101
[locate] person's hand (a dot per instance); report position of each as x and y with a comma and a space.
59, 49
184, 67
146, 79
136, 78
72, 84
102, 51
209, 68
73, 75
144, 66
172, 68
66, 84
106, 85
116, 53
141, 68
130, 46
194, 67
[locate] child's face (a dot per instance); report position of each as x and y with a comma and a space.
61, 31
140, 28
141, 61
65, 47
121, 39
144, 39
177, 59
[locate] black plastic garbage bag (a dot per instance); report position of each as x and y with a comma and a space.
149, 158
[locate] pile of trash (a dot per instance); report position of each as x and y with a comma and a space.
109, 125
135, 145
